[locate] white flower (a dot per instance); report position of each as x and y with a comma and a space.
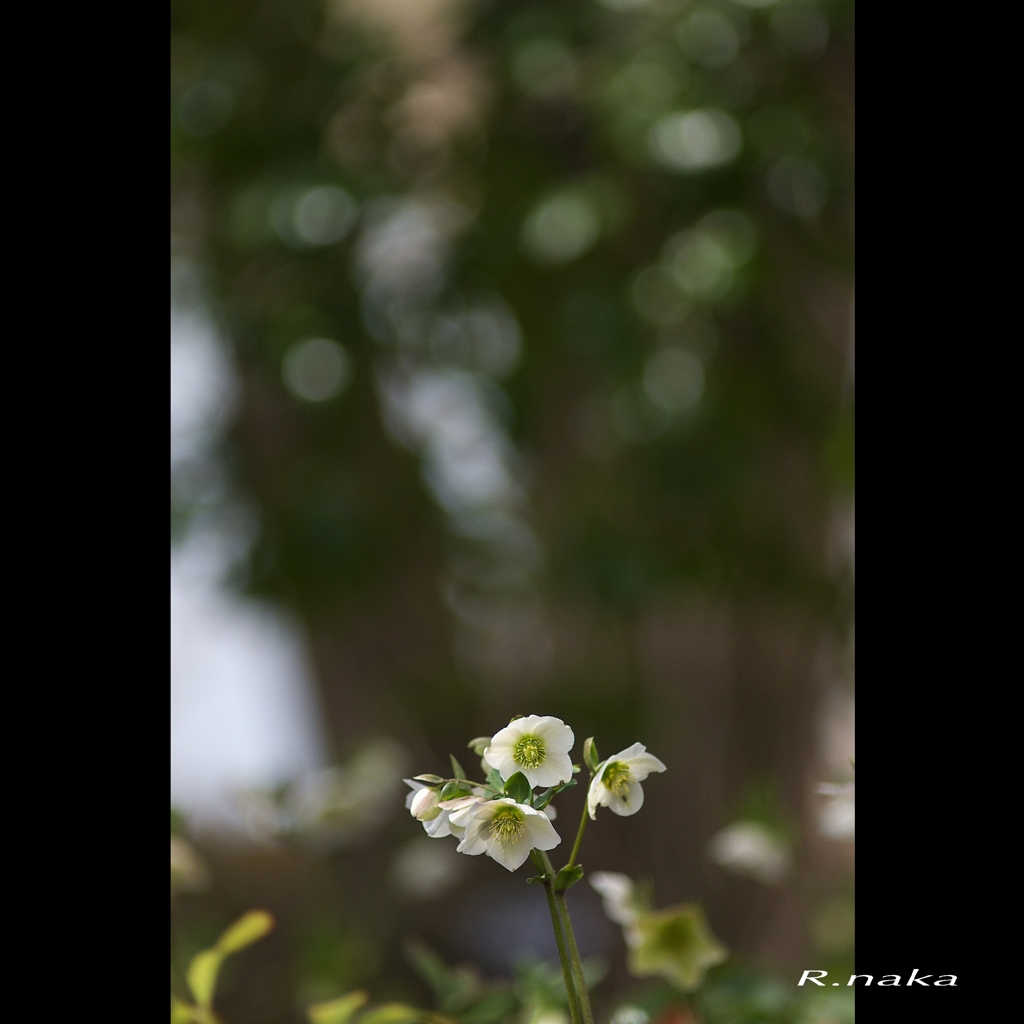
507, 832
538, 746
618, 895
460, 810
617, 781
749, 848
423, 805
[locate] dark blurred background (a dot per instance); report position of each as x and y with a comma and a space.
512, 373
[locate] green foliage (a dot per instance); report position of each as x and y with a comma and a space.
457, 770
567, 877
337, 1011
205, 966
518, 788
591, 758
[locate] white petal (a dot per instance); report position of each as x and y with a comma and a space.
540, 832
550, 813
557, 767
509, 855
557, 736
596, 793
475, 841
628, 804
643, 764
438, 827
624, 755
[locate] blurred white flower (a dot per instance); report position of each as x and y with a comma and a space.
750, 848
507, 832
424, 870
618, 894
617, 781
538, 746
837, 816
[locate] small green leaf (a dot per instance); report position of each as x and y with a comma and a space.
567, 877
590, 755
181, 1013
393, 1013
479, 745
457, 769
495, 781
542, 879
337, 1011
519, 788
202, 975
435, 780
576, 769
245, 931
449, 790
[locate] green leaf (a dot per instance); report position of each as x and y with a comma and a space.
493, 1007
450, 790
181, 1013
495, 781
590, 755
202, 975
457, 769
337, 1011
479, 745
248, 929
394, 1013
567, 877
576, 769
519, 788
435, 780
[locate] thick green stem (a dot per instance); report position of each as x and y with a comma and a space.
586, 1013
556, 922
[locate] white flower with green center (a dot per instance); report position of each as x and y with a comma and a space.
507, 832
538, 746
616, 782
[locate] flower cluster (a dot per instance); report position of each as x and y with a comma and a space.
526, 765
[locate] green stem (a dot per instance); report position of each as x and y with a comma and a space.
556, 922
586, 1012
579, 837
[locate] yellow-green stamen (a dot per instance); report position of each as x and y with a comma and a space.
617, 777
529, 752
507, 825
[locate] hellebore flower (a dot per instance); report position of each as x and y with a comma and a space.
616, 782
538, 746
507, 832
423, 805
460, 810
674, 943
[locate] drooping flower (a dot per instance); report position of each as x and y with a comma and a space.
537, 745
676, 944
616, 782
423, 805
507, 832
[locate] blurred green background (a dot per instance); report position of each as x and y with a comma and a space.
512, 373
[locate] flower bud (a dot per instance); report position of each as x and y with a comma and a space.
424, 805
